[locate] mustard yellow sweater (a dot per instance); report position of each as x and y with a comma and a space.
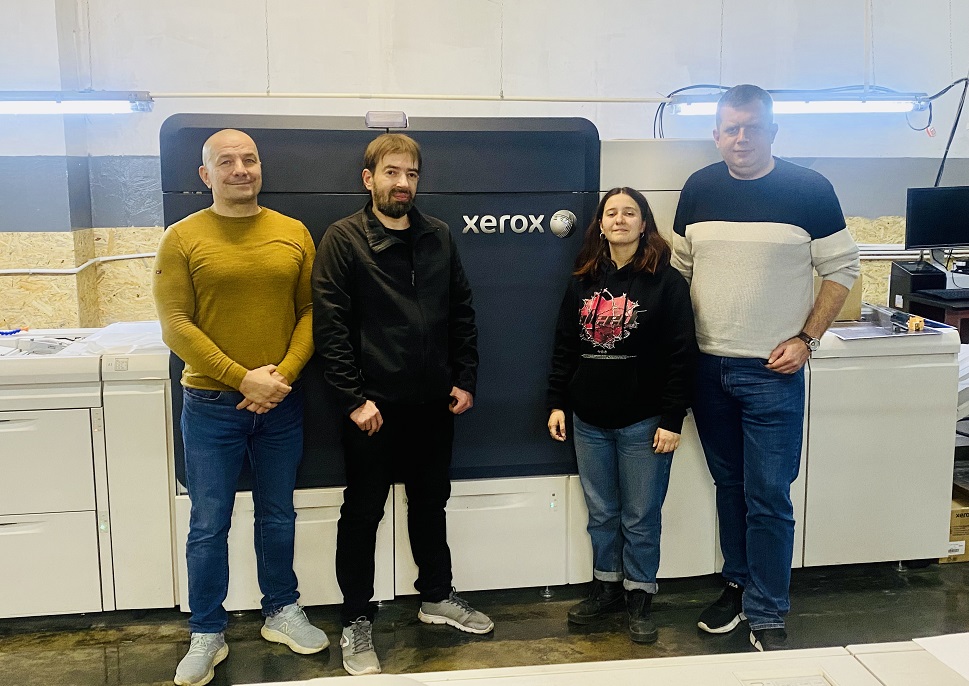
233, 294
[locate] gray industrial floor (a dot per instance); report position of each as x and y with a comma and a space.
832, 606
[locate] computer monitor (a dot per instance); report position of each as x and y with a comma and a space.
937, 217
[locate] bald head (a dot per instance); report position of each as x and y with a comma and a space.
231, 168
225, 137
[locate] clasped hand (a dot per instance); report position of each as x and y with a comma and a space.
264, 388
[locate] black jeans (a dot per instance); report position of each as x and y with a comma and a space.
414, 447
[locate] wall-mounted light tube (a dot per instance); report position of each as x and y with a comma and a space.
74, 102
811, 103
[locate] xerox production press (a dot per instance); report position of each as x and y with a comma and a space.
92, 460
85, 454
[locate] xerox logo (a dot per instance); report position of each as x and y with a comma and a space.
561, 223
515, 223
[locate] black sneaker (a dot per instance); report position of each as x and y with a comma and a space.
604, 597
726, 613
642, 629
768, 639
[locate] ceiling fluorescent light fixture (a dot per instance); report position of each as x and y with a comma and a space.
812, 102
74, 102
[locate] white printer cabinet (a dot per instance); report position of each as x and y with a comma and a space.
880, 448
53, 488
85, 481
138, 444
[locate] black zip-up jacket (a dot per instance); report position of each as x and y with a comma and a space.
390, 324
625, 349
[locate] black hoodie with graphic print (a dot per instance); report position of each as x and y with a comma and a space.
625, 349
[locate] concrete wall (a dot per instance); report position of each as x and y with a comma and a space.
560, 49
64, 173
490, 48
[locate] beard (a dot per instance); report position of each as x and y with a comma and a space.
396, 209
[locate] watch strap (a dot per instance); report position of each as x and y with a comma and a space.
810, 342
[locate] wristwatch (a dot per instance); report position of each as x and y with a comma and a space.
812, 343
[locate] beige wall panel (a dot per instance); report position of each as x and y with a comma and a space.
87, 289
83, 245
99, 295
124, 286
880, 231
88, 311
38, 301
126, 240
875, 273
121, 290
874, 281
36, 250
124, 291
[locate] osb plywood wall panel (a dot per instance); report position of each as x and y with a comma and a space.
121, 290
875, 273
880, 231
874, 281
100, 294
37, 250
87, 290
39, 301
126, 240
83, 246
124, 286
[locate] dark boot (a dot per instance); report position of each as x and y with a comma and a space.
642, 629
604, 597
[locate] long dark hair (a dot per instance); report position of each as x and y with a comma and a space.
652, 253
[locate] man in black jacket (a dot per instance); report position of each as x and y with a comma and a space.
393, 321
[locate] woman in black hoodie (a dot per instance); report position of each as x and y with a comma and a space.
625, 350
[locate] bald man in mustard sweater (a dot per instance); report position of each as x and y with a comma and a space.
232, 289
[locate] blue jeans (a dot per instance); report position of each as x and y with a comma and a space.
218, 438
625, 484
751, 420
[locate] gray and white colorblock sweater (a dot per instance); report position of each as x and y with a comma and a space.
749, 249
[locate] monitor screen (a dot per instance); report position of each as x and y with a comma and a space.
937, 217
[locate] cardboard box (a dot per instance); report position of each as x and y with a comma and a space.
851, 310
958, 530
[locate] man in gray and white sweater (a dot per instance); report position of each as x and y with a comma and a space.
749, 234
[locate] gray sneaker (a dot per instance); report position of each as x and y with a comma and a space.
291, 627
198, 665
456, 612
359, 657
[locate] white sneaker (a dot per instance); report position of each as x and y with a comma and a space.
198, 665
455, 611
291, 627
359, 657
